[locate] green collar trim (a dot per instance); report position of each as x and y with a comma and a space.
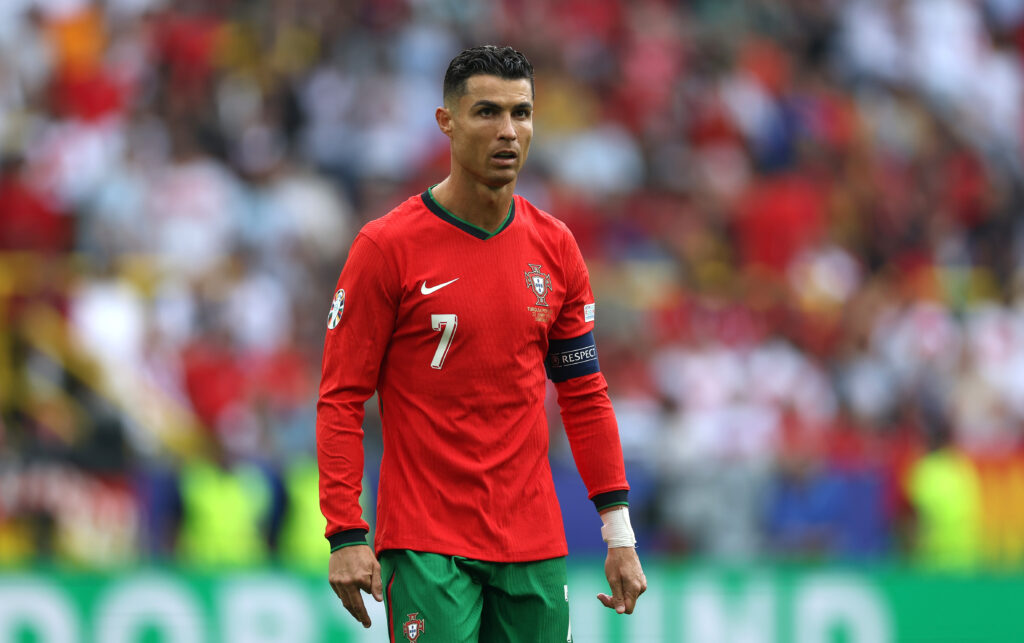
462, 224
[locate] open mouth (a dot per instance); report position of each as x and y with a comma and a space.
505, 158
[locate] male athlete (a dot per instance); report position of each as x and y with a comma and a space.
454, 307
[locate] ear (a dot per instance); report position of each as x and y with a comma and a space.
444, 120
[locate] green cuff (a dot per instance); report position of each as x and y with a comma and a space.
346, 538
343, 545
611, 499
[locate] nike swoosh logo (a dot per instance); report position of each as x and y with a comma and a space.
427, 291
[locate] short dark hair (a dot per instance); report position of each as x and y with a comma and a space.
503, 62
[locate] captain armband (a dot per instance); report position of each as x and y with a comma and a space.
616, 530
569, 358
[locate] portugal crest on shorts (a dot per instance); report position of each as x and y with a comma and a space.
337, 307
413, 627
539, 282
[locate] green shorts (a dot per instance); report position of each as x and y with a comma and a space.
451, 599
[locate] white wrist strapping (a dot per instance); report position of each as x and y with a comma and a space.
617, 531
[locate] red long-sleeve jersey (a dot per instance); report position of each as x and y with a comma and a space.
455, 327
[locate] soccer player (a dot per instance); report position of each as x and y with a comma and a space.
453, 307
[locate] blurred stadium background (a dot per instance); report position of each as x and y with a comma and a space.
803, 224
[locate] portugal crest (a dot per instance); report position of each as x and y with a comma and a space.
413, 627
539, 282
337, 307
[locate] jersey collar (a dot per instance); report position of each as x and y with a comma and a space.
462, 224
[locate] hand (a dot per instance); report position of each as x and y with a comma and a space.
352, 569
625, 578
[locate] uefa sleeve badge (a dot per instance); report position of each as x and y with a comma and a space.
337, 307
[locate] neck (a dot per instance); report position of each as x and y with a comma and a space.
474, 202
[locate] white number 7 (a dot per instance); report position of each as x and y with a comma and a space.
446, 324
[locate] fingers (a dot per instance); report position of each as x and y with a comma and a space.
632, 590
627, 603
626, 580
347, 590
353, 602
376, 586
352, 569
630, 594
615, 583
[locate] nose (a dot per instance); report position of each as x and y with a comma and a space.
507, 131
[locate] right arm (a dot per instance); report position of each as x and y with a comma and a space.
363, 320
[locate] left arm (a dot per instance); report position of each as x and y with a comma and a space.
592, 430
594, 439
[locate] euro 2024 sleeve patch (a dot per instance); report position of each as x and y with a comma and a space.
337, 308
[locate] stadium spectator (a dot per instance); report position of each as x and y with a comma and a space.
808, 218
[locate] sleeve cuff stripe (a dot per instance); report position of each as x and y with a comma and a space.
346, 538
343, 545
611, 498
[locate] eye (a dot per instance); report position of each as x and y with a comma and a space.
485, 111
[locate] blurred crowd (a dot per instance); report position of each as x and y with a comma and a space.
802, 220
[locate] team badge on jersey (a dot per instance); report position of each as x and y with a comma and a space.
337, 307
539, 282
413, 627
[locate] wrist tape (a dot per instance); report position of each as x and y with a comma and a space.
617, 531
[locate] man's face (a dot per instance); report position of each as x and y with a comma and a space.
490, 128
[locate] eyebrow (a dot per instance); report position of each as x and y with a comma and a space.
492, 104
